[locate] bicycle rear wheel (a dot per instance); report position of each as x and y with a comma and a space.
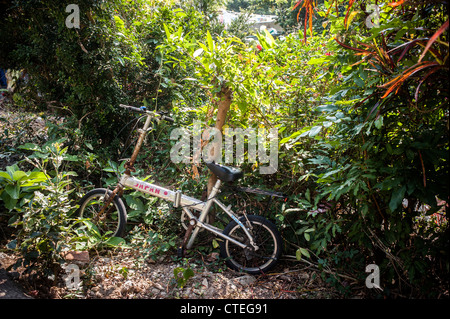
112, 220
266, 237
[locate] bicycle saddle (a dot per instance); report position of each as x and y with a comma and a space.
225, 173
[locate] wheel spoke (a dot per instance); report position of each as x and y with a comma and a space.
111, 221
265, 237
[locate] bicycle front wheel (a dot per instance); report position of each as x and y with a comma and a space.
265, 236
110, 221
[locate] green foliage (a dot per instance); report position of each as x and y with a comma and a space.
87, 236
85, 73
17, 128
375, 145
43, 219
362, 117
152, 243
18, 186
182, 275
41, 206
343, 135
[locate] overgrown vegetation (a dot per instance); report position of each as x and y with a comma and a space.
361, 110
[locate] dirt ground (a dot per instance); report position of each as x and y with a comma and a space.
119, 275
9, 288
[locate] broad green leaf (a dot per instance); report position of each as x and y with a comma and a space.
5, 175
286, 139
179, 32
188, 273
89, 146
397, 197
298, 254
327, 108
314, 130
13, 191
379, 122
10, 203
302, 252
35, 178
316, 61
197, 52
72, 158
204, 47
11, 169
30, 147
92, 227
168, 33
114, 241
307, 236
269, 38
180, 14
71, 173
305, 252
19, 175
210, 41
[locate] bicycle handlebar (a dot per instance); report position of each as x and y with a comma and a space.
143, 109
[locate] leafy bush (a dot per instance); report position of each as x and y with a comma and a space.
381, 144
85, 73
18, 187
43, 218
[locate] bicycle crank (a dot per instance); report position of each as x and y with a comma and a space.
181, 250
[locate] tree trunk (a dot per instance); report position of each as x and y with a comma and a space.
223, 105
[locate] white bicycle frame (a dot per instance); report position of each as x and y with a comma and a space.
183, 201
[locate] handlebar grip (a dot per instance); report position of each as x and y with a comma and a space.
142, 109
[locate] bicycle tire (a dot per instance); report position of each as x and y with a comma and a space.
114, 222
267, 238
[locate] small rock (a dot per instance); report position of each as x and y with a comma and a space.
127, 287
245, 281
155, 291
81, 257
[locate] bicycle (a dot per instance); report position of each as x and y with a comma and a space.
250, 243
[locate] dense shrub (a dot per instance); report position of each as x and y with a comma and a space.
362, 117
84, 73
381, 142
